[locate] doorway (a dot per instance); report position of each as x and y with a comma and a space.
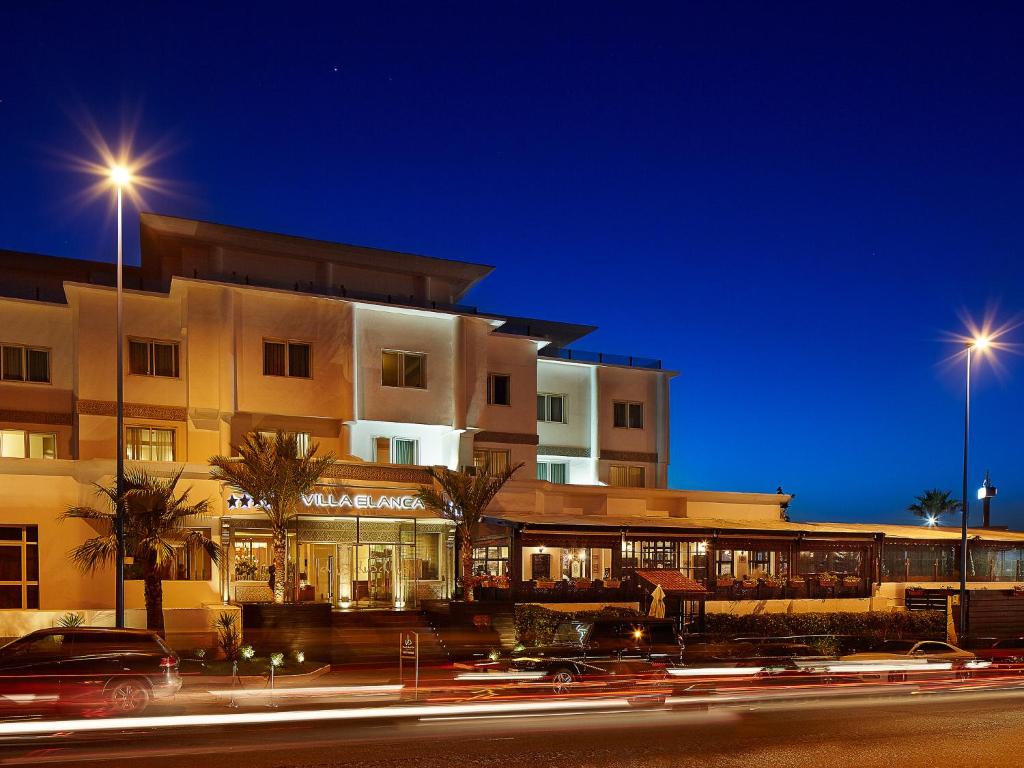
323, 565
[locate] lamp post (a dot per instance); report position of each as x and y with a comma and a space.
980, 344
120, 177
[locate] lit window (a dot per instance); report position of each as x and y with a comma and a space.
42, 445
287, 358
403, 369
491, 461
499, 389
19, 566
553, 471
302, 440
12, 443
551, 408
188, 562
626, 476
627, 415
149, 444
24, 364
152, 358
395, 450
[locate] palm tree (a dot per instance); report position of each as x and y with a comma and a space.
276, 474
157, 521
932, 504
463, 498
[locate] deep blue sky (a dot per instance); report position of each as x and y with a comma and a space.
788, 204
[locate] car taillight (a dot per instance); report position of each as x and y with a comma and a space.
168, 661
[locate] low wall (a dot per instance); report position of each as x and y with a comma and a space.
896, 590
570, 607
837, 605
184, 628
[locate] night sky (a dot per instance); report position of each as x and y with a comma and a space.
792, 206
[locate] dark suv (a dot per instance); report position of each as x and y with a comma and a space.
117, 670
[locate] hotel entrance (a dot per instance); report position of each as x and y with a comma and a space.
350, 562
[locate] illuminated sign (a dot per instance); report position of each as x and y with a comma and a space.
339, 501
361, 501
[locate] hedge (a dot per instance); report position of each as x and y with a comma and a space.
871, 625
535, 624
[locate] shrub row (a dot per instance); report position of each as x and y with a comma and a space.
535, 624
873, 625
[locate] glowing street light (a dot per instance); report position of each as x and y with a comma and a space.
120, 178
979, 343
931, 521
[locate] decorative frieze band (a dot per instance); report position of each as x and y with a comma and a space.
650, 458
515, 438
35, 417
379, 473
563, 450
131, 410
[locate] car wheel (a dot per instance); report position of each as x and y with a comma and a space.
127, 697
562, 681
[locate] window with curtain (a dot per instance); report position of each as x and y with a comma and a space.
152, 358
492, 460
551, 408
553, 471
24, 364
287, 358
149, 444
626, 476
302, 440
403, 451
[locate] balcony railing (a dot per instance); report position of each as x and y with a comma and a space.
601, 358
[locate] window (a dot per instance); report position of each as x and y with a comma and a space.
554, 472
723, 562
286, 358
659, 554
152, 358
499, 389
395, 450
403, 369
302, 440
551, 408
24, 364
492, 461
627, 415
428, 548
149, 444
626, 477
17, 444
19, 566
490, 561
188, 563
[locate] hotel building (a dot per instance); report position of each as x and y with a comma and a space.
370, 354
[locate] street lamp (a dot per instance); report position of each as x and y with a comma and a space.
979, 344
120, 177
931, 521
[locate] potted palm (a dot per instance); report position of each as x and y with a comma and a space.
157, 523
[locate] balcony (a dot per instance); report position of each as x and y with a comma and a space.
601, 358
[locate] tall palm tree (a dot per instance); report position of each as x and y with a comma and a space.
157, 521
463, 498
276, 474
934, 503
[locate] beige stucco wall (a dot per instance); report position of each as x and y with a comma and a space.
843, 605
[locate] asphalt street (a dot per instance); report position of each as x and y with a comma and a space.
973, 729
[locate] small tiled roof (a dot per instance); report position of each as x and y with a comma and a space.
673, 582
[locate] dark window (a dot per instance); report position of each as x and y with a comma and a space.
274, 358
499, 389
11, 360
627, 415
403, 369
551, 408
659, 554
287, 358
153, 358
38, 365
24, 364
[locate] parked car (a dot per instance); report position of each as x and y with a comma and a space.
1009, 650
118, 671
929, 650
599, 654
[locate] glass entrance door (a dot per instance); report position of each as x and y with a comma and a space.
324, 557
379, 567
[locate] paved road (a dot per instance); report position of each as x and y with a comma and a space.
942, 730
